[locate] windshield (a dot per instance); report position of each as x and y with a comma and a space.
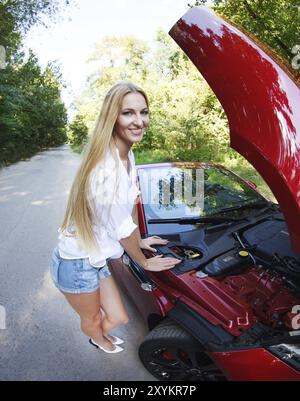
173, 192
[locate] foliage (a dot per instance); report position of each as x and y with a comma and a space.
78, 131
32, 115
186, 118
18, 16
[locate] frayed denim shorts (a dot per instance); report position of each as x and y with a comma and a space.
76, 276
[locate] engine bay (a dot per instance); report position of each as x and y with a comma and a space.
253, 264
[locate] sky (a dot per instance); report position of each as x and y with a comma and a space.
85, 22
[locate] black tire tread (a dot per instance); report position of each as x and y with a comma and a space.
168, 329
165, 333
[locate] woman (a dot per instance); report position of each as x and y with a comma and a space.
101, 219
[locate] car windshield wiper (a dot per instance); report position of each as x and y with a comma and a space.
193, 220
268, 207
214, 218
254, 205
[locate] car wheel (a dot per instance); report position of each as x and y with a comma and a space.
170, 353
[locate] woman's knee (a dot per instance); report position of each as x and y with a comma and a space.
117, 320
93, 320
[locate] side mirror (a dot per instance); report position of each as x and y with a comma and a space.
251, 184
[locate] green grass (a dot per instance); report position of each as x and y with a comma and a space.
151, 156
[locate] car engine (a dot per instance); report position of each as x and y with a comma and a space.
252, 268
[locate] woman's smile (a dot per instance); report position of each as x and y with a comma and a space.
135, 131
133, 119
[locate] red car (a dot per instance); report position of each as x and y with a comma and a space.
231, 309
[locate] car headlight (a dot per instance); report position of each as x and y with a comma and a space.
289, 353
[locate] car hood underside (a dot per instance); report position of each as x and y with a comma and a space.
260, 98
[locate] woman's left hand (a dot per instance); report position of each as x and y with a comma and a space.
147, 242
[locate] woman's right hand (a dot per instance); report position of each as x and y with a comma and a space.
159, 263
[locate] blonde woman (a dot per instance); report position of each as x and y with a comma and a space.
100, 220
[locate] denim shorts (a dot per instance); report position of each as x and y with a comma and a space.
76, 276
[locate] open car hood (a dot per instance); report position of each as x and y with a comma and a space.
260, 98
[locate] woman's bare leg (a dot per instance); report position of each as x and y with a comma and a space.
88, 308
111, 303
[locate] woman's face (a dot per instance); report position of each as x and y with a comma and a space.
133, 118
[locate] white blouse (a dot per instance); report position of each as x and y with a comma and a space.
113, 213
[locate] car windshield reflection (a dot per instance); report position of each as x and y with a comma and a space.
198, 191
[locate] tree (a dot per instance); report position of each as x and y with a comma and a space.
187, 121
32, 115
78, 131
18, 16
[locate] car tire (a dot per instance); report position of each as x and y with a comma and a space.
169, 353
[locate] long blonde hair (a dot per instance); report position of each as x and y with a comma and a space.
79, 211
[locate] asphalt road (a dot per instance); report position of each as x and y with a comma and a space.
40, 338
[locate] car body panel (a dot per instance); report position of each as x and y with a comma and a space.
255, 364
260, 98
216, 311
148, 302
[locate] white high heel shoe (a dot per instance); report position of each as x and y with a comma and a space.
116, 340
115, 351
